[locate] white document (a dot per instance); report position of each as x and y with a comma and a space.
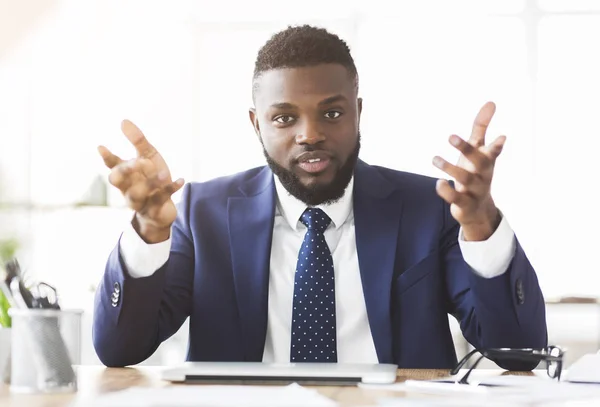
448, 385
585, 370
493, 391
211, 395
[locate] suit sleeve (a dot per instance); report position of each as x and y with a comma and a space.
506, 311
133, 316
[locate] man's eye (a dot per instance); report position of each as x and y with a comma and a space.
333, 114
284, 119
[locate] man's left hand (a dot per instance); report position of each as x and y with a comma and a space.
471, 202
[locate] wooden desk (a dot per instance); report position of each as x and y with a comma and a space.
96, 380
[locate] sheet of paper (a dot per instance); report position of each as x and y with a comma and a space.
444, 383
585, 369
511, 390
211, 395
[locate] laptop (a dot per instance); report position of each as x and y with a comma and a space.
281, 373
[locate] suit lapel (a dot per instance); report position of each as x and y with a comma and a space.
250, 224
377, 220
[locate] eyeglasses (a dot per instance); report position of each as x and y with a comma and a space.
551, 355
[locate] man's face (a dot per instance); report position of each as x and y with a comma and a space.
308, 122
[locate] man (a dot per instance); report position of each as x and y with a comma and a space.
317, 256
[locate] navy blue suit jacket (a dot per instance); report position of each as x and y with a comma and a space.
411, 267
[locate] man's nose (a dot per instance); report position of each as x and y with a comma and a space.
310, 133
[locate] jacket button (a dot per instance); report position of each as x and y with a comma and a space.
519, 291
114, 299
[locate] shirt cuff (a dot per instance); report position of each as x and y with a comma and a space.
140, 258
490, 258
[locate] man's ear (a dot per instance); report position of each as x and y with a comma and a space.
359, 109
254, 120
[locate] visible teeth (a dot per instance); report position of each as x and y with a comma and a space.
314, 160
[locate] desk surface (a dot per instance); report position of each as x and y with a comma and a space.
95, 380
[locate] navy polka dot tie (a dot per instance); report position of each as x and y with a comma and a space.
313, 315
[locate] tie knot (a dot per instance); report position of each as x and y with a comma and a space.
316, 219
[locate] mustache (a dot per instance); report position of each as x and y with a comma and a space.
311, 149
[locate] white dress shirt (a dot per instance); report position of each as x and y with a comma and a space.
355, 344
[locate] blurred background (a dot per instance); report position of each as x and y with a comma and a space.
71, 70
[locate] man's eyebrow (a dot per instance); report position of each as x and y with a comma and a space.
326, 101
333, 99
282, 105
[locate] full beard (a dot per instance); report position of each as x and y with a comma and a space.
316, 194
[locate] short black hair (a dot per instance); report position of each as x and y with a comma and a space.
302, 46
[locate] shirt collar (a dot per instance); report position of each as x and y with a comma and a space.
292, 208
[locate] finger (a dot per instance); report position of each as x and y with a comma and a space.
494, 149
110, 159
158, 180
481, 123
137, 179
137, 195
147, 168
123, 175
450, 195
160, 197
471, 153
137, 138
155, 179
461, 175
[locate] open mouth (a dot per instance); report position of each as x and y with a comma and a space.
314, 162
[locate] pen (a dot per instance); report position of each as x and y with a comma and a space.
19, 296
22, 297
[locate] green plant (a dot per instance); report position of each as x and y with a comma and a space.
5, 321
8, 248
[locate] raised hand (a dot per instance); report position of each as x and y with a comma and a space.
146, 184
471, 202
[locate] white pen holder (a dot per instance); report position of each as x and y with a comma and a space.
45, 345
5, 336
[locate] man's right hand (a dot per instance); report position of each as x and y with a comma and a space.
146, 184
